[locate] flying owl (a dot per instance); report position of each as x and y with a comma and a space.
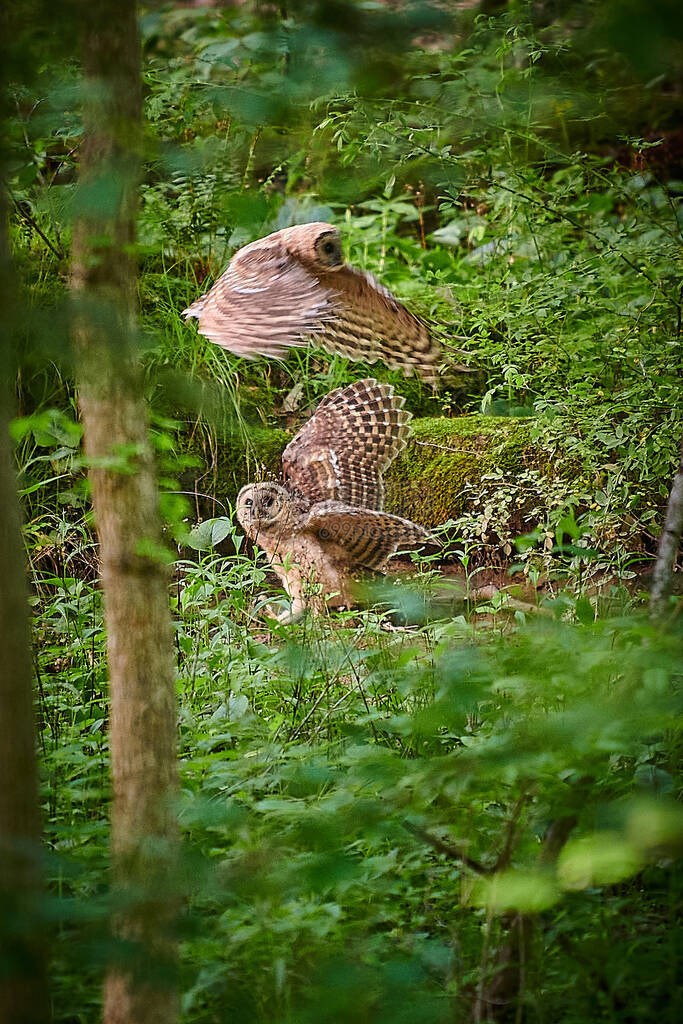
325, 524
294, 285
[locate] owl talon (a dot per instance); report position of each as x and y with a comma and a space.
282, 615
289, 617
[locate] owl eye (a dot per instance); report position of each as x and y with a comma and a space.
248, 502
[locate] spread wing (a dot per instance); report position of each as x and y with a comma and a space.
369, 323
368, 537
343, 450
264, 303
268, 301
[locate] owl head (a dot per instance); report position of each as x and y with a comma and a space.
264, 507
318, 243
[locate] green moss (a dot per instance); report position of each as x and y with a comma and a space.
426, 483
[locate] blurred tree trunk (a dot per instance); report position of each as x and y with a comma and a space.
140, 989
23, 982
669, 545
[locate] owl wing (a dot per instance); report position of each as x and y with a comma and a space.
369, 323
264, 303
268, 301
368, 537
343, 450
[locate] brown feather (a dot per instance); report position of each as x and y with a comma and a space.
351, 439
263, 304
283, 290
368, 537
370, 324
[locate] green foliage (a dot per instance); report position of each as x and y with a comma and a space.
363, 805
367, 809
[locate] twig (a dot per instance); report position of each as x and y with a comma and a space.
478, 1008
562, 215
555, 838
441, 846
444, 447
505, 854
200, 494
508, 970
296, 730
31, 220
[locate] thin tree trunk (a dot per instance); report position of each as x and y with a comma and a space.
669, 544
508, 974
140, 990
23, 983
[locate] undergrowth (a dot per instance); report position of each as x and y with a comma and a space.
361, 803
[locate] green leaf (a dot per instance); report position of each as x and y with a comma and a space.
209, 533
526, 891
584, 611
600, 859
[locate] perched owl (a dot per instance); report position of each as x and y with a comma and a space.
325, 524
294, 285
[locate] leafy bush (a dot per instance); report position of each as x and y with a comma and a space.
366, 810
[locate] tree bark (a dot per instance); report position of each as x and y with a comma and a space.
23, 982
508, 975
140, 989
669, 544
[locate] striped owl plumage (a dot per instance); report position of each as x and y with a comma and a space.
292, 285
326, 523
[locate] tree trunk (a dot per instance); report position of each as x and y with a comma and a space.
23, 984
140, 989
669, 544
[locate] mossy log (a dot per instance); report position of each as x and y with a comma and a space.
426, 483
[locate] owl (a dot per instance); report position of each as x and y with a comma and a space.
324, 525
294, 285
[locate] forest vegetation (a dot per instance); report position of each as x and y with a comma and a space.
461, 800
